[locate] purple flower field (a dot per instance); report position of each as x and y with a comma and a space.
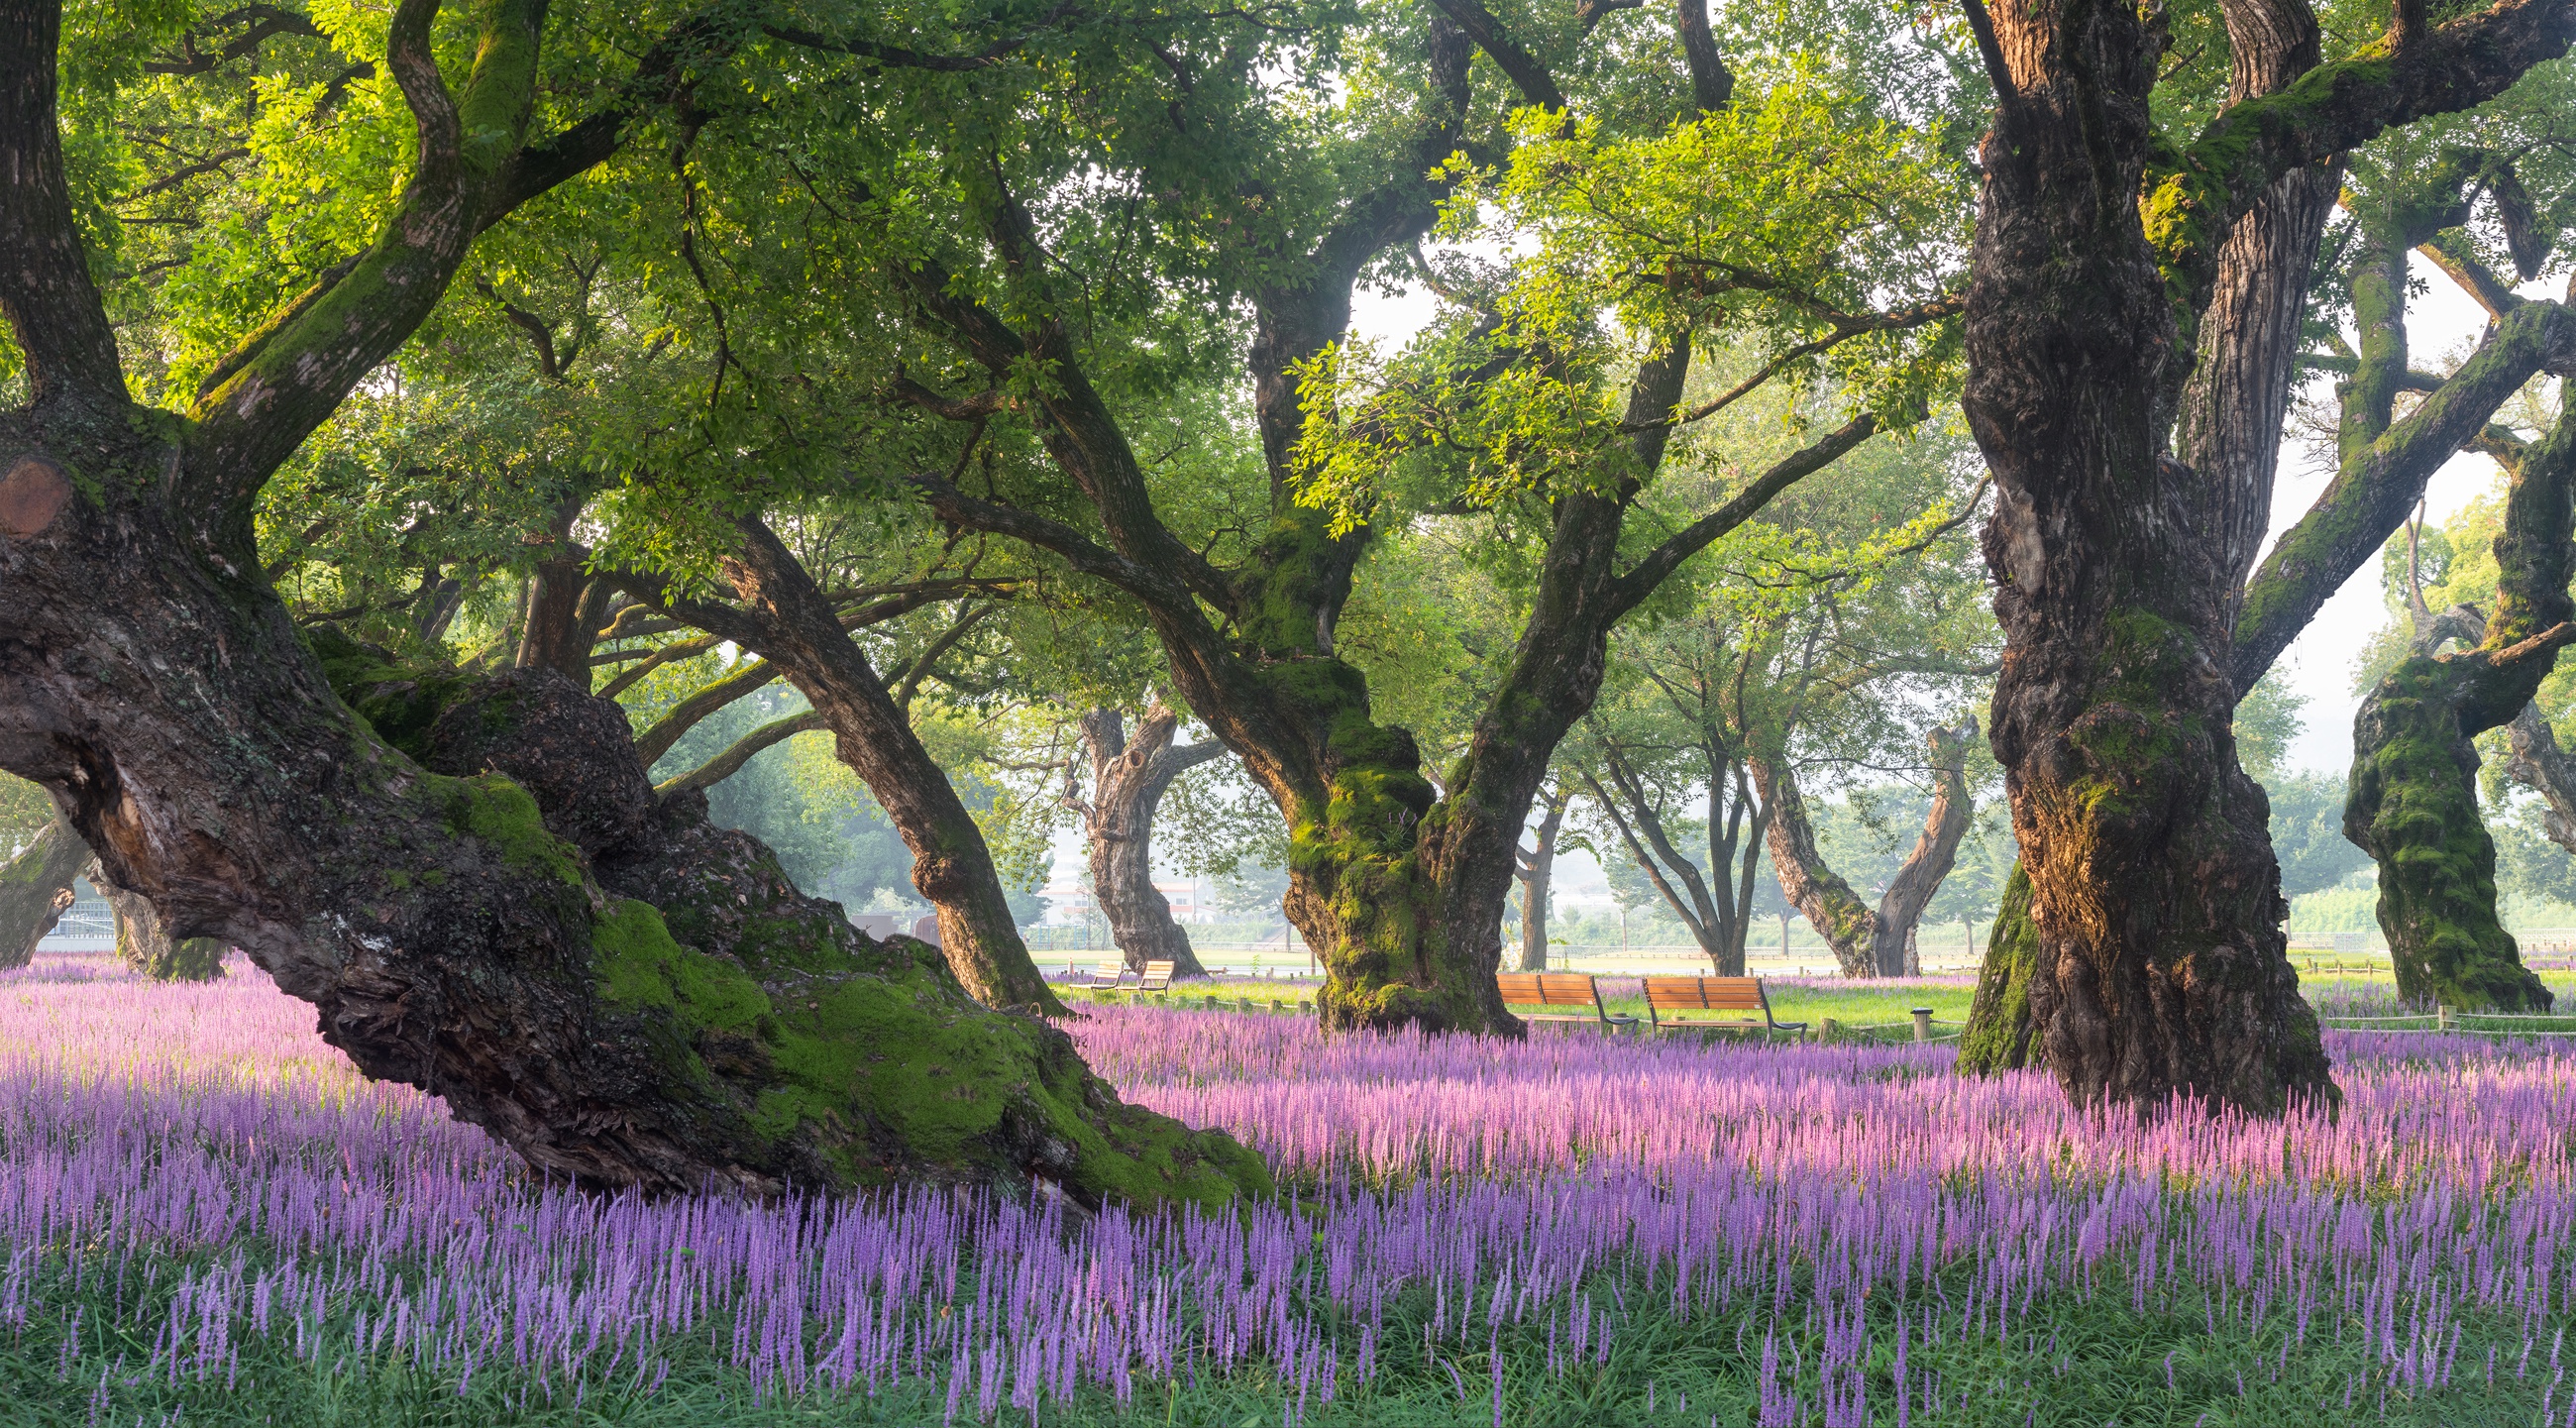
197, 1194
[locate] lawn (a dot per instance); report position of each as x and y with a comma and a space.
211, 1219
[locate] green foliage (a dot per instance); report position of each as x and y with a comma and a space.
2307, 832
25, 809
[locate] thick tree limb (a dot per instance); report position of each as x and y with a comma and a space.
252, 421
2191, 206
1517, 64
689, 713
2370, 497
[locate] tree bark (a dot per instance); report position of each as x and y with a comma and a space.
1818, 892
787, 619
2161, 968
2538, 764
2413, 804
472, 883
36, 890
1128, 780
1537, 869
1935, 852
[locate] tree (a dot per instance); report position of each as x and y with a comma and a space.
467, 874
1129, 776
36, 890
1872, 942
1522, 407
1536, 869
2414, 796
2155, 964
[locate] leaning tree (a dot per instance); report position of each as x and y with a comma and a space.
467, 876
2134, 324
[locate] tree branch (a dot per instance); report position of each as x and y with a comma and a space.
1517, 64
2382, 481
725, 765
253, 420
657, 740
2191, 207
1632, 588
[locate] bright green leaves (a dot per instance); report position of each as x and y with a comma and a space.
1799, 226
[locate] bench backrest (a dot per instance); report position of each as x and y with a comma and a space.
1549, 989
1706, 994
1158, 974
1111, 969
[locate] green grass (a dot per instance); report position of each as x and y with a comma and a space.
2070, 1363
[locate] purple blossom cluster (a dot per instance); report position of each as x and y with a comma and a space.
194, 1168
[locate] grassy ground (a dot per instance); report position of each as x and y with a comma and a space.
2068, 1363
2338, 985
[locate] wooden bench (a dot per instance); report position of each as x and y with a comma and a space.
1108, 976
1157, 978
1669, 1000
1559, 989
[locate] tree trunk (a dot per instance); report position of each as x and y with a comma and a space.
1536, 873
2413, 804
2161, 968
1813, 888
1935, 852
786, 618
141, 944
36, 890
1717, 910
1128, 780
564, 604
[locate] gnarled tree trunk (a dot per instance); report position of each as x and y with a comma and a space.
36, 890
1128, 780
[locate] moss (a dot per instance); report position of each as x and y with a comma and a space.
1999, 1035
495, 809
399, 699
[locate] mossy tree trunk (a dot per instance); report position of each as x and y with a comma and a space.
2161, 968
786, 618
1870, 941
472, 883
1536, 869
36, 890
2413, 804
1129, 777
